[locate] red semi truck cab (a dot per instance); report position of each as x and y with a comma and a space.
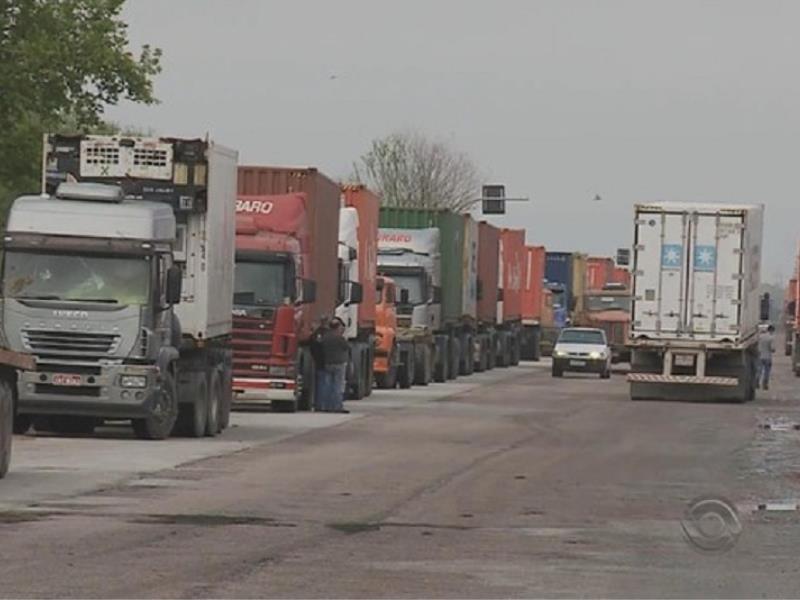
272, 288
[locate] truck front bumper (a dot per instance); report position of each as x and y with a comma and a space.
262, 390
96, 394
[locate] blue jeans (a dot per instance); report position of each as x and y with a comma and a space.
322, 390
764, 370
337, 374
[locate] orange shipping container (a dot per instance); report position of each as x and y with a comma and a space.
488, 271
368, 206
532, 290
599, 271
512, 264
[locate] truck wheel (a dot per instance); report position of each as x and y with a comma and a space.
442, 368
193, 417
22, 423
514, 351
213, 404
227, 399
422, 365
369, 360
468, 363
6, 425
536, 347
453, 359
406, 373
160, 423
305, 400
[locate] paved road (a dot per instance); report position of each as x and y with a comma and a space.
513, 484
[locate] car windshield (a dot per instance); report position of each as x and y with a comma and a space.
581, 336
76, 278
598, 303
412, 282
261, 283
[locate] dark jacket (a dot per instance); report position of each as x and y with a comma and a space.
335, 349
316, 347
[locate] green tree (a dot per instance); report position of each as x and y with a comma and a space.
61, 63
409, 169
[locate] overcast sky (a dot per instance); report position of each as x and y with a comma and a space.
632, 100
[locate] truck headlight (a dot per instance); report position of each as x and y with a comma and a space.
279, 371
133, 381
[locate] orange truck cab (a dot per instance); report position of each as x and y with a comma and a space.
386, 355
609, 309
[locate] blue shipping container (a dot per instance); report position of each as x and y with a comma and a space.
558, 269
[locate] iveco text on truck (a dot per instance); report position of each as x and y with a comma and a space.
695, 313
119, 282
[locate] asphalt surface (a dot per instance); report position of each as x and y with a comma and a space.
506, 484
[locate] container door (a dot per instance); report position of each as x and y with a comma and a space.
715, 281
660, 263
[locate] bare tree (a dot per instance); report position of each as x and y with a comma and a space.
410, 170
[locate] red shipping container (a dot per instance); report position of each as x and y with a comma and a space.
512, 260
322, 201
532, 290
368, 206
488, 271
599, 271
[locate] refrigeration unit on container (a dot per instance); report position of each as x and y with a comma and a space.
695, 309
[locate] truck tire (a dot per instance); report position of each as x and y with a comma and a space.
467, 366
369, 360
406, 373
6, 425
422, 365
454, 358
159, 425
227, 399
193, 417
442, 367
214, 404
536, 347
491, 353
513, 351
502, 352
388, 380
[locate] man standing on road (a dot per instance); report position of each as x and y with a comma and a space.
322, 386
766, 348
336, 354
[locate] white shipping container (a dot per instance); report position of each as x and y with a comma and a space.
696, 272
206, 307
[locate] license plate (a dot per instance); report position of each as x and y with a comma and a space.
577, 363
684, 360
66, 379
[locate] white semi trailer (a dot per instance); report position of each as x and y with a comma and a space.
695, 309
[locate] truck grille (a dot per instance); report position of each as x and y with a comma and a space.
66, 343
252, 346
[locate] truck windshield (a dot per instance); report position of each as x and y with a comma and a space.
262, 283
598, 303
76, 278
414, 283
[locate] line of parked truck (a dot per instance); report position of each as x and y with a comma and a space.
157, 281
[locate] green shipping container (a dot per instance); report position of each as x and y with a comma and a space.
451, 248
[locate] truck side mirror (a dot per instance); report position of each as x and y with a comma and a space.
765, 306
437, 294
174, 285
403, 296
352, 254
309, 291
356, 293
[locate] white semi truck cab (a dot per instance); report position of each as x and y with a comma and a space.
118, 279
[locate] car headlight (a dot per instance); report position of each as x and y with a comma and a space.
560, 353
597, 355
133, 381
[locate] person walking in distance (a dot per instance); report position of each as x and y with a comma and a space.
336, 354
766, 348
